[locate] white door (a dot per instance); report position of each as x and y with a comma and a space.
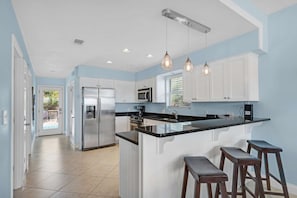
27, 114
18, 137
50, 110
70, 114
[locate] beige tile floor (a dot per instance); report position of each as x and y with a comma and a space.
58, 171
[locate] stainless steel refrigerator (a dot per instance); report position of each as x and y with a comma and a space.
98, 117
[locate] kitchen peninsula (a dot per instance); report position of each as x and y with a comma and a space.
151, 158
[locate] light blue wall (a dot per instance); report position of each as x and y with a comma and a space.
8, 26
97, 72
278, 93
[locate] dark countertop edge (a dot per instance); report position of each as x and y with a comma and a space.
199, 129
129, 136
126, 113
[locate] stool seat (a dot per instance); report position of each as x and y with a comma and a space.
237, 155
204, 171
264, 146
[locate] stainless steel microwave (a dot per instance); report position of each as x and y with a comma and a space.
144, 95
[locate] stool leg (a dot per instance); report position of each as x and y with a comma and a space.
267, 171
259, 185
234, 181
282, 175
242, 180
197, 190
222, 162
223, 190
209, 190
183, 195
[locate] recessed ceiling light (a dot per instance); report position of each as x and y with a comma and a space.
126, 50
149, 56
109, 62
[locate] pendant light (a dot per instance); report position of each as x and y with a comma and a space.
188, 64
206, 67
166, 61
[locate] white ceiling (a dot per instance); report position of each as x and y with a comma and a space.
49, 28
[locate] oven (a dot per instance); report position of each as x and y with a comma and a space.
135, 121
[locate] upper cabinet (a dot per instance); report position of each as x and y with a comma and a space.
235, 79
96, 82
125, 91
232, 79
158, 87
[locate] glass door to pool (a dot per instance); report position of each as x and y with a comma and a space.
50, 111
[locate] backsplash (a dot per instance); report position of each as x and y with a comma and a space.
199, 109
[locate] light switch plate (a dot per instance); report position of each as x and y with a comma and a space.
4, 117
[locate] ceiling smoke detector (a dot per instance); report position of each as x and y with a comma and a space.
78, 41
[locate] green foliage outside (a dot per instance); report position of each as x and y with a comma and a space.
51, 100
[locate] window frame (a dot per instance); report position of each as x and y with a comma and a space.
169, 92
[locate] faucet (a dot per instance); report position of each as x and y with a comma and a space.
175, 114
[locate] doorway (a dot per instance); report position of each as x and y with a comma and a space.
21, 116
50, 110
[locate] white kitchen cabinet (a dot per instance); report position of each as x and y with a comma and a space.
146, 83
96, 82
159, 93
122, 123
106, 83
217, 85
189, 86
196, 85
202, 85
125, 91
235, 79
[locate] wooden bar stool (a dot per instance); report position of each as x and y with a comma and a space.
265, 148
203, 171
241, 160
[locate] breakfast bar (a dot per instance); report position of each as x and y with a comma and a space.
151, 157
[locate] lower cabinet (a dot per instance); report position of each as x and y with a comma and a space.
122, 123
129, 169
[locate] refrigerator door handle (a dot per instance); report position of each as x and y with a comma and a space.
99, 110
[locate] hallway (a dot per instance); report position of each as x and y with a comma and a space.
58, 171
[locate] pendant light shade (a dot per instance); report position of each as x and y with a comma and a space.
188, 65
166, 62
206, 69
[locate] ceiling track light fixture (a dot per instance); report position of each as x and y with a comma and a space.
185, 20
190, 23
166, 61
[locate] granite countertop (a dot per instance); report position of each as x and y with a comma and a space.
131, 136
170, 129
